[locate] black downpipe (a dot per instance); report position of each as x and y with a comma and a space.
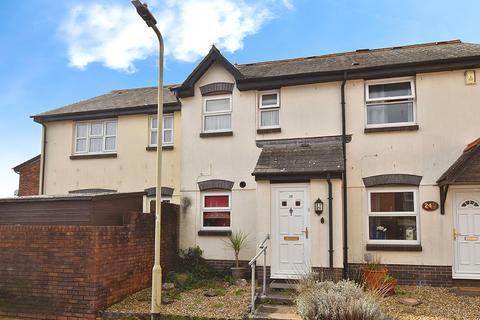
44, 150
344, 181
330, 222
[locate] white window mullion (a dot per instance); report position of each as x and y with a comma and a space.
217, 114
393, 103
407, 222
99, 138
269, 109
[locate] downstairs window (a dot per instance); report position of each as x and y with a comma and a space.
216, 211
393, 216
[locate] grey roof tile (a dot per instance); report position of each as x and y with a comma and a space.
296, 156
116, 99
466, 169
362, 58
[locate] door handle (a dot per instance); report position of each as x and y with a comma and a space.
306, 232
455, 234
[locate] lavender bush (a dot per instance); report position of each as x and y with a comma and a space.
344, 300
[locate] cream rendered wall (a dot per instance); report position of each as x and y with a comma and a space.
132, 170
447, 115
308, 111
231, 158
318, 232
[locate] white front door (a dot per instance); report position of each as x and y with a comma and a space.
290, 228
467, 236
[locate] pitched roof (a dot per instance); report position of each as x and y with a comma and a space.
359, 64
363, 58
25, 163
303, 156
466, 169
131, 100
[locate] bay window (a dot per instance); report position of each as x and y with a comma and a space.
167, 135
390, 103
95, 137
216, 211
393, 216
217, 114
269, 106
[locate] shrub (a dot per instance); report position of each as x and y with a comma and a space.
344, 300
193, 270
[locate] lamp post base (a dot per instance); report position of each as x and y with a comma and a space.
156, 289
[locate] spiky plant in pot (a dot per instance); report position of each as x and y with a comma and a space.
237, 241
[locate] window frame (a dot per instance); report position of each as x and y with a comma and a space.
215, 113
415, 213
262, 108
215, 209
152, 130
390, 100
103, 135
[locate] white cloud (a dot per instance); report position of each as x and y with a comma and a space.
115, 36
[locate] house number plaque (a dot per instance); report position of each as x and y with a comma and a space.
430, 206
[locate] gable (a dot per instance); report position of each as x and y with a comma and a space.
213, 58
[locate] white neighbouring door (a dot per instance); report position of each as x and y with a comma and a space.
467, 235
290, 228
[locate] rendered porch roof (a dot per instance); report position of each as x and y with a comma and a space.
114, 101
304, 156
466, 169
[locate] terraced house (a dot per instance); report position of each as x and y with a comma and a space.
333, 159
108, 143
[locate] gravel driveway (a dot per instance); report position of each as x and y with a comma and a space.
231, 304
437, 304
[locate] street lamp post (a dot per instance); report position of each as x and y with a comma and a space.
148, 17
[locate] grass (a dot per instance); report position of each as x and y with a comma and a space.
240, 292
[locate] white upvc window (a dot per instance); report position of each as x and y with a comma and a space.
216, 211
217, 114
390, 103
393, 216
167, 130
95, 137
269, 108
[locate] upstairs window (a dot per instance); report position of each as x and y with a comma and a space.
390, 103
393, 216
217, 114
216, 211
167, 130
96, 137
269, 106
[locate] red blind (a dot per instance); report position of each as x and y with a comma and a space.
216, 201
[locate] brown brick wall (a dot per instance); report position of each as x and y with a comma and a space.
29, 176
421, 275
55, 272
438, 276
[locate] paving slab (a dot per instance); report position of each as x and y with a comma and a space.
466, 291
276, 312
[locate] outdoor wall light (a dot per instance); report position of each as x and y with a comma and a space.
318, 206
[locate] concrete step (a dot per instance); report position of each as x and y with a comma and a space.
282, 284
275, 312
278, 297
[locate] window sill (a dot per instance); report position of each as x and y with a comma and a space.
163, 148
216, 134
394, 247
225, 233
93, 156
269, 130
389, 129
